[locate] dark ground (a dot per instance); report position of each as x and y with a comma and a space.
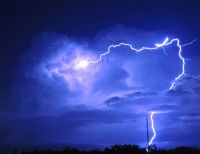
116, 149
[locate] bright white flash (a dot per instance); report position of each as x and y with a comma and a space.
81, 64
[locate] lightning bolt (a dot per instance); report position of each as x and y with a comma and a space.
153, 130
166, 42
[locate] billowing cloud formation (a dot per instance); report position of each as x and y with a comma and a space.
51, 74
58, 98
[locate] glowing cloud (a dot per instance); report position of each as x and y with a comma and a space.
81, 64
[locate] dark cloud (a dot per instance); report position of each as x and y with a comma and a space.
136, 99
47, 129
141, 94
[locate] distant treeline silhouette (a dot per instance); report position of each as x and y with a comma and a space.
117, 149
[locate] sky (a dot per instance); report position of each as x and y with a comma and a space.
51, 96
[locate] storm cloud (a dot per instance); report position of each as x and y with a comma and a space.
52, 98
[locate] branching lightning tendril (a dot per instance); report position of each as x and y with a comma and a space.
166, 42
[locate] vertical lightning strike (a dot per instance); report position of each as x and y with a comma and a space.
153, 130
166, 42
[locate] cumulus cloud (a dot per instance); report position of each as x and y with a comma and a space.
48, 75
54, 95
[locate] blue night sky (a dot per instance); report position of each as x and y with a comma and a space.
47, 98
